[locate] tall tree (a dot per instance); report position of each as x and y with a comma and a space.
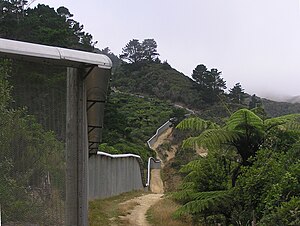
210, 83
46, 25
132, 52
149, 49
255, 102
135, 52
215, 82
10, 16
237, 94
199, 74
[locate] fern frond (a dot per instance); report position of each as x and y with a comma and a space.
212, 200
242, 118
184, 196
211, 138
192, 165
196, 124
191, 176
287, 122
187, 186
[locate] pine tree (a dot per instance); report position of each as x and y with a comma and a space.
236, 94
210, 83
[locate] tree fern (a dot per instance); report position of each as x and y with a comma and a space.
185, 195
286, 122
192, 165
242, 118
196, 124
206, 190
212, 201
212, 138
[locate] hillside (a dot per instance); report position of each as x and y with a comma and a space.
274, 108
130, 120
159, 80
295, 99
162, 81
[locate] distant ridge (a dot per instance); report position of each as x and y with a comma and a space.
282, 98
295, 99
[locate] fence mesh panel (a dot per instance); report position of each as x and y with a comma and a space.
32, 143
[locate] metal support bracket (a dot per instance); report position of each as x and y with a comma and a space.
93, 102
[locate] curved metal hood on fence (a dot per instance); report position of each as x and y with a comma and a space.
95, 71
50, 54
96, 93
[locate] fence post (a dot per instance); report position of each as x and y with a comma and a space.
76, 150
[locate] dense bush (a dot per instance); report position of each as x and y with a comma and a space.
251, 173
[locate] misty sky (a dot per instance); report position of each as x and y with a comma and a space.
254, 42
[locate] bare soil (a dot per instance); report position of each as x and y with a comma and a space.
156, 184
137, 207
137, 215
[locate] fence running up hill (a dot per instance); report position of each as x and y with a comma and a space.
159, 131
111, 175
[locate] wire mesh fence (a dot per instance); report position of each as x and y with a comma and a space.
32, 143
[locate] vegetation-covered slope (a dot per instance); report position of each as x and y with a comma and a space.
130, 120
274, 108
158, 80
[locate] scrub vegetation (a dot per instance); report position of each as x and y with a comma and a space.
251, 172
132, 120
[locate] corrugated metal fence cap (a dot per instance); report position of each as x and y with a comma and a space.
63, 56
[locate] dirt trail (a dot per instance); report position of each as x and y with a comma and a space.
161, 139
136, 216
156, 185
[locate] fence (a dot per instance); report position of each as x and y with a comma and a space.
33, 142
159, 131
111, 175
32, 150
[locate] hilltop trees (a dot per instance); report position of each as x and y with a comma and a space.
135, 52
209, 83
149, 49
46, 26
199, 74
255, 102
236, 94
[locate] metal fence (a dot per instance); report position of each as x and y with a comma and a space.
159, 131
111, 175
36, 183
32, 150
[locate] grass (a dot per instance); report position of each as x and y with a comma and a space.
107, 211
160, 214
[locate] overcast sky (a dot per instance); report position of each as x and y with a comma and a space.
254, 42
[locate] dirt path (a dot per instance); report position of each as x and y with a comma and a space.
156, 185
137, 215
162, 138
